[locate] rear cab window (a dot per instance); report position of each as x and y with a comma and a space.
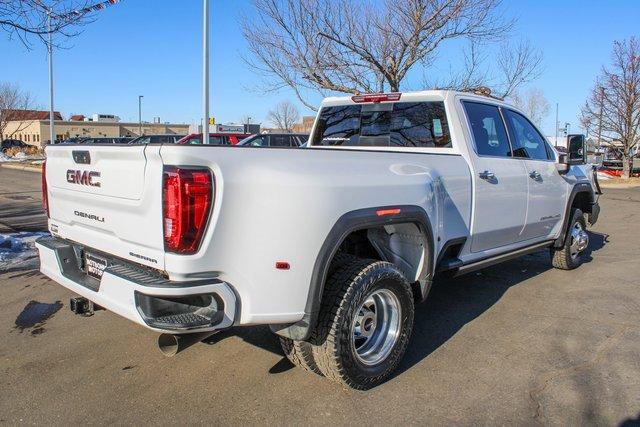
388, 124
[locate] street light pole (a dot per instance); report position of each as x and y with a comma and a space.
50, 51
205, 72
557, 125
140, 114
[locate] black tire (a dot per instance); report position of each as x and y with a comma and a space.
562, 258
300, 353
346, 290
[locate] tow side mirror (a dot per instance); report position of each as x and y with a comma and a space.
563, 163
577, 149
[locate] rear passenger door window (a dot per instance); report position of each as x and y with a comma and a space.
526, 140
489, 133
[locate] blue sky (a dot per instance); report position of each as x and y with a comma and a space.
153, 48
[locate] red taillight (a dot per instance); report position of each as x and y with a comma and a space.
187, 195
377, 97
45, 195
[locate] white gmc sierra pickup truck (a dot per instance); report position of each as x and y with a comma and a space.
332, 244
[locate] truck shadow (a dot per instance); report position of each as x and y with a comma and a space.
23, 218
452, 303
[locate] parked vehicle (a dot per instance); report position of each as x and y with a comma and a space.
214, 139
73, 140
330, 245
11, 143
275, 140
107, 140
157, 139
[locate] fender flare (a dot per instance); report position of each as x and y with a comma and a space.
581, 187
353, 221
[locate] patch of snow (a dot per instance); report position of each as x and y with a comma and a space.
18, 251
5, 158
21, 157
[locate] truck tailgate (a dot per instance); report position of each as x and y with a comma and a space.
108, 198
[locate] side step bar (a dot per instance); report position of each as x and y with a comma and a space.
477, 265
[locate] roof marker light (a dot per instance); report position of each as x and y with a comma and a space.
388, 212
377, 97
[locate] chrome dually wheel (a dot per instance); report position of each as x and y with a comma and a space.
579, 240
570, 254
376, 326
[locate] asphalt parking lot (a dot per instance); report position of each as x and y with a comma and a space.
518, 343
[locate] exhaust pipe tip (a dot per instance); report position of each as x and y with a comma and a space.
170, 344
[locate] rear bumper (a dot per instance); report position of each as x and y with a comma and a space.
139, 295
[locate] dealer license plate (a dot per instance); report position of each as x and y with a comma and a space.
94, 265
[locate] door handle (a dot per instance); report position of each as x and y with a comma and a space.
535, 175
488, 175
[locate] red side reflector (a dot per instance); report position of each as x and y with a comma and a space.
387, 212
45, 194
377, 97
282, 265
187, 198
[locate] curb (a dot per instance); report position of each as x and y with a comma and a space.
621, 186
36, 169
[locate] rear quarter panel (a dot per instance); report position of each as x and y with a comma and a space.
280, 204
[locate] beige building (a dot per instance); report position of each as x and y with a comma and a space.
305, 126
36, 132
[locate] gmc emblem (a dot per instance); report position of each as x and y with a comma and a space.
83, 177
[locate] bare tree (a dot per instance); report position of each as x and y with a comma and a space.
13, 98
612, 111
284, 116
26, 19
509, 68
533, 103
353, 46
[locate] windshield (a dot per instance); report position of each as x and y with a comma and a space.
399, 124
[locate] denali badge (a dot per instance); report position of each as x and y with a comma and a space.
89, 216
83, 177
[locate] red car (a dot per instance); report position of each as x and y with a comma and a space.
214, 138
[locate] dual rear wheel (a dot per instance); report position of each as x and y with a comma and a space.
364, 324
